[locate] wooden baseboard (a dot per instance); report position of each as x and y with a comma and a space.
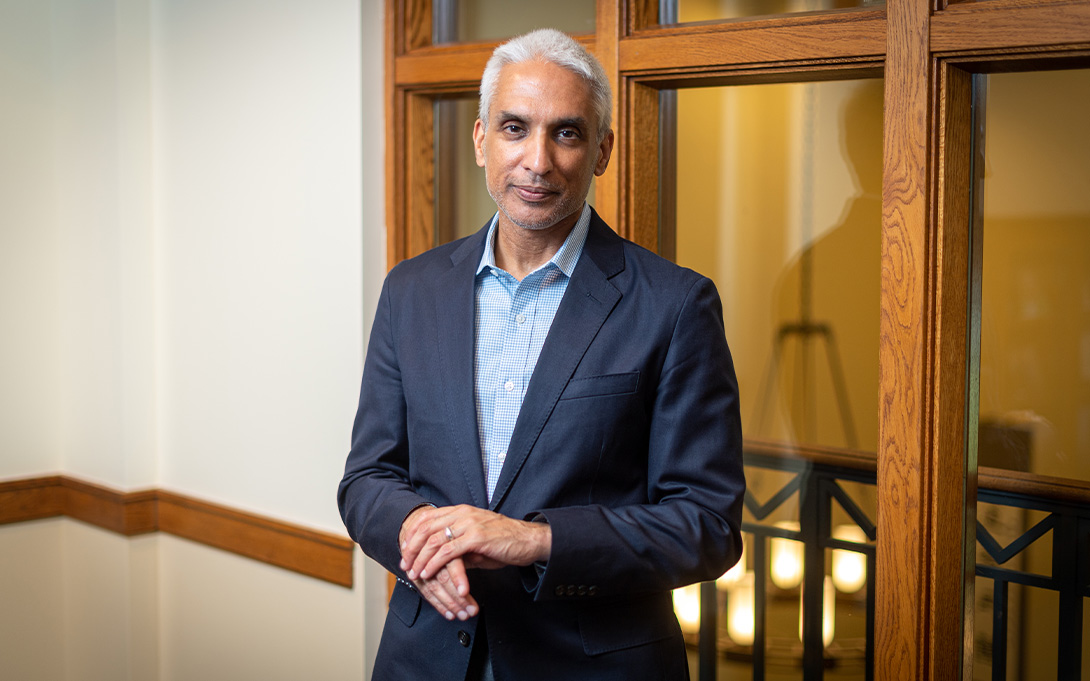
316, 554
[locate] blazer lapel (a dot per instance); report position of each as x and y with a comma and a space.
454, 312
588, 301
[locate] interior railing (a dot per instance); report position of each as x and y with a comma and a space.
814, 478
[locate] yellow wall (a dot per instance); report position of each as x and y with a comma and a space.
766, 175
1035, 319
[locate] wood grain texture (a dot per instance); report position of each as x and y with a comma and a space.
395, 141
1029, 484
457, 65
902, 583
609, 24
127, 513
316, 554
845, 34
31, 499
416, 15
1001, 24
953, 471
420, 175
641, 143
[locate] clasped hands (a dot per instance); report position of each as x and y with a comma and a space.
439, 544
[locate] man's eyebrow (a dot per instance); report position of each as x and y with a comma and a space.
574, 122
510, 116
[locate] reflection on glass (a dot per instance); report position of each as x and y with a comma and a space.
779, 202
1034, 391
711, 10
462, 203
1035, 307
470, 20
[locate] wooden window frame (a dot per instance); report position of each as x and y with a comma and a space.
928, 51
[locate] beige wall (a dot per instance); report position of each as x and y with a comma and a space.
191, 245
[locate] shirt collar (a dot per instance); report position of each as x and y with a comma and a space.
564, 259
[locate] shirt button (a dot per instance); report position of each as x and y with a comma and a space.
509, 386
502, 456
520, 318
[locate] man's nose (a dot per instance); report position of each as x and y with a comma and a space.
538, 154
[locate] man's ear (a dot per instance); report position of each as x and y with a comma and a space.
478, 142
605, 149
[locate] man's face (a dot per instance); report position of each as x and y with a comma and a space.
540, 148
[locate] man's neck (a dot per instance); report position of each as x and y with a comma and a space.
520, 251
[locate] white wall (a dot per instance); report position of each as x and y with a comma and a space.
258, 213
191, 246
29, 242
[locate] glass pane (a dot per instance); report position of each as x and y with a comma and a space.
462, 203
469, 20
1035, 293
712, 10
779, 202
1034, 392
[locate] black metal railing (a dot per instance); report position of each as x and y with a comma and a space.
815, 479
1068, 523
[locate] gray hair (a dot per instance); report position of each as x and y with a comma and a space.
550, 45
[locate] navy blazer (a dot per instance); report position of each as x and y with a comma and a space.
628, 443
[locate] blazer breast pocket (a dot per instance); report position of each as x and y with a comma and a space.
599, 386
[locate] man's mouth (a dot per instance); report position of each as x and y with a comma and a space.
533, 193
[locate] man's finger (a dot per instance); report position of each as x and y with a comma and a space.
445, 594
432, 546
465, 606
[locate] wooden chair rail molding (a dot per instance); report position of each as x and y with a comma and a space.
316, 554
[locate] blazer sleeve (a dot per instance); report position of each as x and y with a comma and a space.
689, 528
375, 495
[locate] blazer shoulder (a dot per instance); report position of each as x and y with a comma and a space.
653, 270
439, 259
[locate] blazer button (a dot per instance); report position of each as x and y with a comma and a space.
582, 590
592, 590
463, 638
571, 590
559, 590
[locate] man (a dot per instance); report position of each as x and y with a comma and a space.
548, 438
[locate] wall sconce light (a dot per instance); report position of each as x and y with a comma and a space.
731, 576
740, 610
786, 555
849, 567
687, 607
828, 614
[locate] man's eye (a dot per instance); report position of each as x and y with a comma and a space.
568, 134
511, 128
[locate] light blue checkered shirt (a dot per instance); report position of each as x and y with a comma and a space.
512, 320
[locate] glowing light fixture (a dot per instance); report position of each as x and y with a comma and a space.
849, 567
731, 576
687, 607
740, 610
786, 557
828, 613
